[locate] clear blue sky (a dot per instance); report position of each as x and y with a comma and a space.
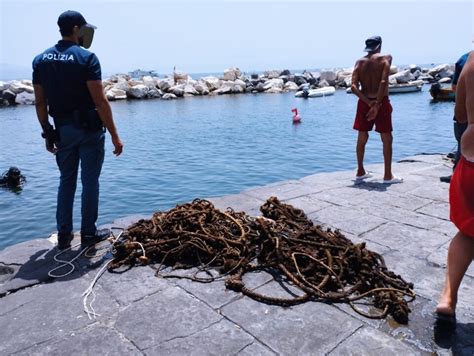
210, 36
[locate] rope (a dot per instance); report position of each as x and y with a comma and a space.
88, 307
324, 264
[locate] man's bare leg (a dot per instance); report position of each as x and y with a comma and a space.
460, 256
387, 140
360, 150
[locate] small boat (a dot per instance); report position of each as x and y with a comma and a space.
315, 93
445, 93
410, 87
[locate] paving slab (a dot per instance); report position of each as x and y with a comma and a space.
371, 342
35, 315
222, 338
92, 340
256, 348
347, 219
410, 240
302, 330
164, 316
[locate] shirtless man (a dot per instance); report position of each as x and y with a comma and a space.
371, 73
461, 198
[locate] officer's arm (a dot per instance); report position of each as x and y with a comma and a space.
96, 91
41, 105
102, 104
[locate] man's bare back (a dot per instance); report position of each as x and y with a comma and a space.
464, 110
370, 71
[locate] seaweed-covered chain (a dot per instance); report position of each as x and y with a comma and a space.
324, 264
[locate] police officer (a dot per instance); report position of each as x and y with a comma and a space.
68, 85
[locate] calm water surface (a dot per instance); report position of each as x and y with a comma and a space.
176, 151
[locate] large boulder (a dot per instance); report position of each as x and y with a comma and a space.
138, 91
165, 84
285, 72
426, 78
393, 69
240, 82
290, 86
232, 74
227, 87
121, 84
414, 68
238, 89
300, 79
344, 73
329, 76
440, 68
271, 74
189, 89
347, 83
154, 93
403, 77
9, 96
201, 88
3, 86
213, 83
17, 87
177, 90
259, 88
323, 83
25, 98
116, 94
273, 83
446, 73
169, 96
274, 90
149, 82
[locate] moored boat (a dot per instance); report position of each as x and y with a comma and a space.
315, 93
410, 87
440, 93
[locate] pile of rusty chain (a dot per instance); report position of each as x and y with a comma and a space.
323, 264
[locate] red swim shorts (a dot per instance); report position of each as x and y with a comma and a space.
461, 197
383, 121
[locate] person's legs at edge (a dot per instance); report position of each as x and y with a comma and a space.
360, 150
460, 256
92, 158
67, 159
387, 140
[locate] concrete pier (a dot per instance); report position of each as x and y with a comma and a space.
407, 223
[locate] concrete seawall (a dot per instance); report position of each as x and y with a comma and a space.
407, 223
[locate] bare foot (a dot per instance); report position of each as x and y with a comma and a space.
446, 306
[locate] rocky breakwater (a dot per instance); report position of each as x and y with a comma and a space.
233, 81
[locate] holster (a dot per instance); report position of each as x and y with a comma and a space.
88, 120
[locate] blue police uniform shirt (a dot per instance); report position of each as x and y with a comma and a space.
459, 66
63, 71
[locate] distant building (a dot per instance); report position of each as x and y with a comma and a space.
138, 73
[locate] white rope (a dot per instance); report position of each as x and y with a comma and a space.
88, 307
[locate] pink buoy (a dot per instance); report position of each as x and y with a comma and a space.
296, 117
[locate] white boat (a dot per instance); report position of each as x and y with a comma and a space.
410, 87
315, 93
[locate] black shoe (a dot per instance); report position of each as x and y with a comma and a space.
100, 235
64, 241
446, 179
